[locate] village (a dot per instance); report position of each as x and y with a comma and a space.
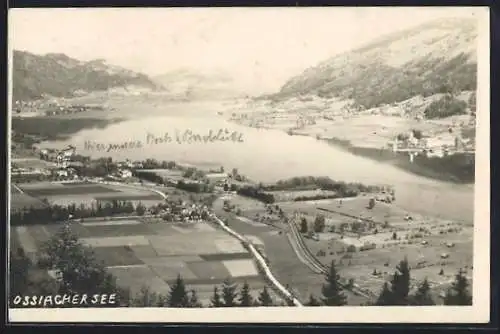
433, 136
54, 107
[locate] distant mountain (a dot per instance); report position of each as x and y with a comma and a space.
56, 74
437, 57
195, 84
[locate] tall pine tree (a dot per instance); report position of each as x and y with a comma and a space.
216, 301
193, 299
400, 284
385, 297
265, 298
19, 271
228, 293
332, 289
178, 296
423, 295
77, 269
245, 299
145, 298
458, 293
313, 301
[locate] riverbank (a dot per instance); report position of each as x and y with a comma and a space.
456, 168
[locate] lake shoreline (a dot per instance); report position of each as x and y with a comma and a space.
400, 160
419, 167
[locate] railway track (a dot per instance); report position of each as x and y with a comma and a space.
313, 263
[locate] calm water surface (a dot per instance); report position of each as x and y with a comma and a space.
264, 155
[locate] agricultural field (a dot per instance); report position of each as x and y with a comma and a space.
254, 212
291, 195
20, 200
176, 195
347, 210
31, 163
284, 264
154, 254
385, 234
171, 174
86, 193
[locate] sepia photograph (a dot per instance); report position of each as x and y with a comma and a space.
197, 165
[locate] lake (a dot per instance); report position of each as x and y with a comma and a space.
263, 155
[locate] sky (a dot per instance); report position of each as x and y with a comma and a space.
261, 47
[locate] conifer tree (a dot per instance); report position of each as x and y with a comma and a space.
178, 296
313, 301
228, 293
145, 298
332, 289
76, 266
303, 225
422, 295
216, 301
245, 298
265, 298
400, 284
385, 297
193, 299
19, 268
458, 293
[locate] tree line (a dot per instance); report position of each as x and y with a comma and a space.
397, 291
322, 182
228, 294
257, 193
54, 212
50, 213
342, 189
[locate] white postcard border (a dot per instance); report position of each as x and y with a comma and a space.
478, 313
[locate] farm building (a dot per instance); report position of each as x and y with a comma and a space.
125, 173
217, 177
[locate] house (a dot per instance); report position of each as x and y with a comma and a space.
125, 173
217, 178
137, 165
62, 173
68, 151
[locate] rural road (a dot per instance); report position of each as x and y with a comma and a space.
251, 247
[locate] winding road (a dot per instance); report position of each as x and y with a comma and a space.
260, 260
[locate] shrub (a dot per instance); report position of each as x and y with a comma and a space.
351, 249
445, 107
417, 134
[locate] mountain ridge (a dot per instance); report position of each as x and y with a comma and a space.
435, 57
59, 75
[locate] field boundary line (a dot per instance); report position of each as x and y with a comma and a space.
162, 194
17, 188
